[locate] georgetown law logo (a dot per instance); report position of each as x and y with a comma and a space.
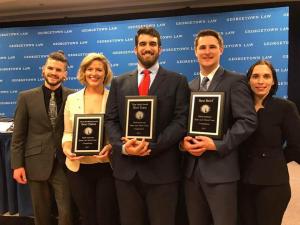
205, 108
88, 131
139, 115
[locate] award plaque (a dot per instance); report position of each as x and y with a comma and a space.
87, 134
206, 114
140, 116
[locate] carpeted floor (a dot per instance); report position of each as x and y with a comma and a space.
291, 217
15, 220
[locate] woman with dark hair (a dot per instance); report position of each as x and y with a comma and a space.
264, 190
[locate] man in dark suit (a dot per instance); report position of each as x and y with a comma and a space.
147, 173
36, 154
212, 165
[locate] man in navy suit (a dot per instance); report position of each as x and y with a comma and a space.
147, 173
212, 165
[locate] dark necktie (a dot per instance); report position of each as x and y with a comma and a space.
52, 109
204, 84
145, 83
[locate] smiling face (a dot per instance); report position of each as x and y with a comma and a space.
54, 73
95, 74
147, 50
208, 52
261, 81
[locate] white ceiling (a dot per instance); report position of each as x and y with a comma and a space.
22, 10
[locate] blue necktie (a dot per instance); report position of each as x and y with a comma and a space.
204, 84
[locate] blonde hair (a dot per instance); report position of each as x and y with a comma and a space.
86, 62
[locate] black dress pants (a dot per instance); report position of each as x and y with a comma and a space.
93, 190
263, 204
147, 204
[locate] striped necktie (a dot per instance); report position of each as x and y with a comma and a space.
204, 84
52, 109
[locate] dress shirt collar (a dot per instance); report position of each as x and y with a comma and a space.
153, 71
58, 91
210, 75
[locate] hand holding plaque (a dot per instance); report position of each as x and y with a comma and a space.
140, 115
206, 114
87, 134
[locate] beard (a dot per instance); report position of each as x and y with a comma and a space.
147, 63
59, 81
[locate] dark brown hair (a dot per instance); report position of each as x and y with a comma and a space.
209, 32
268, 64
59, 56
149, 31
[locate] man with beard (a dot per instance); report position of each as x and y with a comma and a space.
36, 154
147, 173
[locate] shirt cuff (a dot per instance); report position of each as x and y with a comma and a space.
181, 147
124, 150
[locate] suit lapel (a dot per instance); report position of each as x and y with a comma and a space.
79, 102
64, 94
60, 114
159, 78
195, 84
104, 100
64, 98
41, 107
133, 83
216, 79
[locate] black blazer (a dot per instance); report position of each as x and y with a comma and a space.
239, 121
34, 143
162, 166
275, 142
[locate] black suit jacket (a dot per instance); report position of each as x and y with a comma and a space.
275, 142
34, 143
162, 166
239, 121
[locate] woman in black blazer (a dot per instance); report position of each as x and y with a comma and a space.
264, 190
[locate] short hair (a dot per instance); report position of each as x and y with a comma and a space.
209, 32
274, 87
58, 56
149, 31
86, 62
